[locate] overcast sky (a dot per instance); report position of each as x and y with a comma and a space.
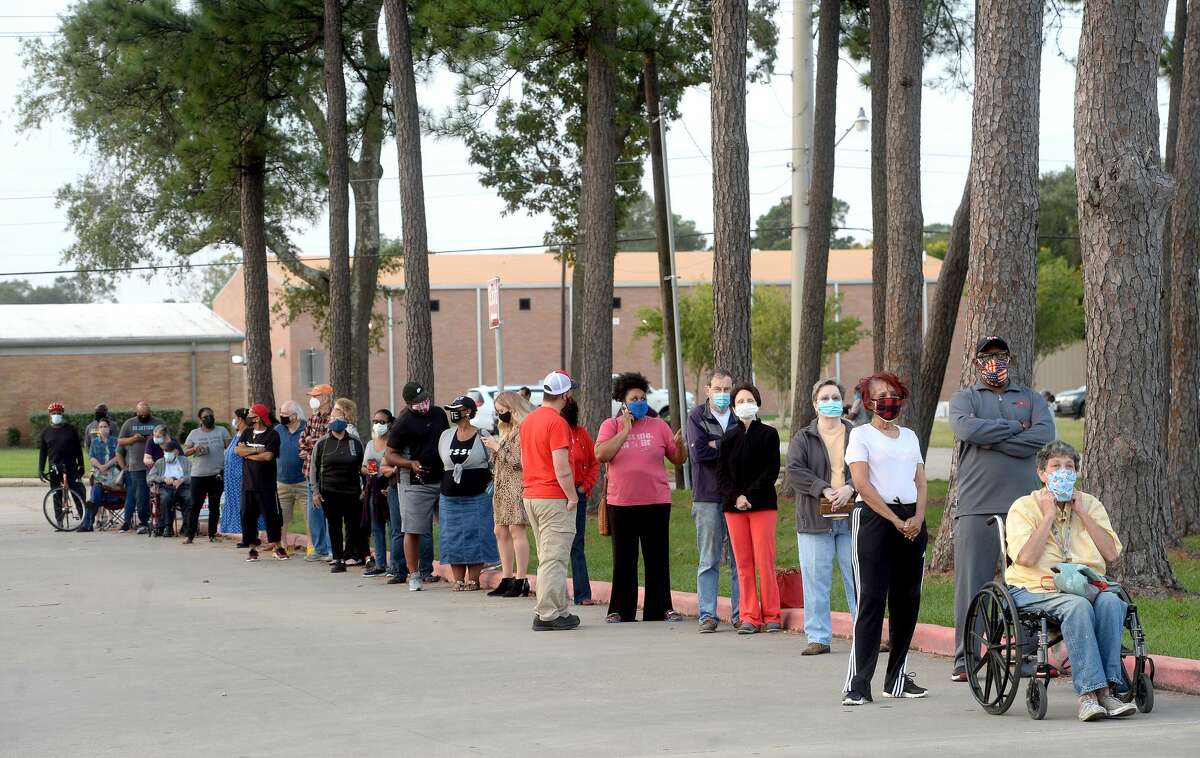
36, 164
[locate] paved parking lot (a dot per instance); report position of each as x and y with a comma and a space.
118, 645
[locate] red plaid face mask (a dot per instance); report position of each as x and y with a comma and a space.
888, 408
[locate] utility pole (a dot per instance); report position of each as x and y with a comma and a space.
802, 130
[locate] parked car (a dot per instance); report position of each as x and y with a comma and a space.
1070, 402
485, 396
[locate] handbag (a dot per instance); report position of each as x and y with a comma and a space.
602, 508
1078, 579
829, 511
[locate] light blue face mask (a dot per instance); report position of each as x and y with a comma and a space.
1061, 483
721, 400
831, 408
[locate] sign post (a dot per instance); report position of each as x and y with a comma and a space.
496, 326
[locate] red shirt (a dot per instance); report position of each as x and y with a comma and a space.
543, 432
584, 465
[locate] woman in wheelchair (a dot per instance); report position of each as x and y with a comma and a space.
1059, 524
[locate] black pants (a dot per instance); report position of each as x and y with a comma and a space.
343, 513
73, 483
649, 525
170, 499
266, 503
203, 487
888, 570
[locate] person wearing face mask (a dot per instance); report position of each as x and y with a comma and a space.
153, 451
258, 447
466, 539
377, 478
1057, 523
170, 475
706, 425
230, 520
817, 470
292, 487
102, 454
59, 445
337, 487
320, 401
639, 498
508, 508
586, 470
889, 539
746, 474
134, 434
999, 425
412, 447
205, 447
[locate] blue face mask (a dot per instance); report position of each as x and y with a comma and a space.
1061, 483
338, 425
721, 400
832, 408
171, 456
639, 408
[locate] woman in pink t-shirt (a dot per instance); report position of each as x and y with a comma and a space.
633, 445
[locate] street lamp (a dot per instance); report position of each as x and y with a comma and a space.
860, 124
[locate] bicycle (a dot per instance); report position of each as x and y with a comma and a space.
63, 517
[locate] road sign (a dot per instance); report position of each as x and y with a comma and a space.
494, 302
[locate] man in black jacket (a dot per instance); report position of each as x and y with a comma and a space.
59, 443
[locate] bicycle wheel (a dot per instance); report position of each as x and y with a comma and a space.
68, 516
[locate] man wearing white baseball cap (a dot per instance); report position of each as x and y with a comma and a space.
550, 500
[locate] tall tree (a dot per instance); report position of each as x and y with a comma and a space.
1184, 415
773, 229
880, 34
340, 348
905, 277
731, 189
637, 232
62, 290
419, 329
820, 203
1124, 195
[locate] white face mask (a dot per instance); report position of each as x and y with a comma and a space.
56, 418
380, 429
314, 403
746, 411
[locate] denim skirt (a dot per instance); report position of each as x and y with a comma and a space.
465, 533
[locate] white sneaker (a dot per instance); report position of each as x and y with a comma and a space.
1090, 710
1114, 707
414, 583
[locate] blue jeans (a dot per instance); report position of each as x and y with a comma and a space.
581, 584
712, 540
318, 528
1092, 632
379, 535
137, 496
399, 567
817, 553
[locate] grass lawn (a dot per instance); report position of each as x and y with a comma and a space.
1069, 430
18, 462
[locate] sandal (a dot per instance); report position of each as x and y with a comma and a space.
458, 587
613, 618
472, 586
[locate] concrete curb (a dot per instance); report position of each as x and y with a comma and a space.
15, 482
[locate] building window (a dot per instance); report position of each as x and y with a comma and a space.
524, 304
435, 306
312, 367
616, 303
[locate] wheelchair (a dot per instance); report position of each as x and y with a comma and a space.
998, 656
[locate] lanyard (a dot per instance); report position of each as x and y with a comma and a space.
1063, 539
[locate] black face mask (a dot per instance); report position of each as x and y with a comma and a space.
570, 412
505, 417
101, 415
143, 417
456, 416
207, 422
285, 420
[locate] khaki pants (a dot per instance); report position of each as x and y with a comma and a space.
292, 496
554, 531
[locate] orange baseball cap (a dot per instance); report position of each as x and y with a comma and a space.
321, 389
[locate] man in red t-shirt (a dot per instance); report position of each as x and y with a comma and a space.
550, 500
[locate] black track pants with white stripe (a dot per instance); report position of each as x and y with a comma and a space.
887, 573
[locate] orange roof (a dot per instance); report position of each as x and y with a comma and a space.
448, 270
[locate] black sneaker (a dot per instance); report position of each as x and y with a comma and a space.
143, 530
242, 545
374, 571
909, 689
560, 624
393, 579
337, 568
252, 556
855, 698
124, 529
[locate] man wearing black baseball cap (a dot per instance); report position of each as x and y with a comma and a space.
412, 447
999, 426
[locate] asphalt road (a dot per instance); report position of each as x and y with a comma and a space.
118, 645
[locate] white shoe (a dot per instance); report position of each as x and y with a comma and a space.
414, 583
1090, 710
1114, 707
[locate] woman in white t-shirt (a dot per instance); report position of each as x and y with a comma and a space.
889, 539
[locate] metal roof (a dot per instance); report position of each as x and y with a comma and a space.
112, 324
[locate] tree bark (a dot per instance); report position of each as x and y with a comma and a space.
905, 241
879, 173
1124, 195
1183, 455
578, 279
731, 190
1178, 65
820, 203
597, 222
340, 346
419, 328
260, 386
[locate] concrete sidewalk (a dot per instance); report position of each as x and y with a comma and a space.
119, 645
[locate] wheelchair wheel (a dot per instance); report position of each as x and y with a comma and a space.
991, 650
69, 514
1036, 699
1143, 693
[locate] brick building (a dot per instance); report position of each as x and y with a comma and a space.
464, 347
172, 355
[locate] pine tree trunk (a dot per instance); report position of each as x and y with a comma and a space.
905, 242
575, 353
260, 387
597, 222
820, 204
340, 350
1183, 454
879, 173
419, 328
1124, 196
1177, 64
731, 190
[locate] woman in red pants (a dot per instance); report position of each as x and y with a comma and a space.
746, 475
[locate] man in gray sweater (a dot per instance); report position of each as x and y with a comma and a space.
999, 425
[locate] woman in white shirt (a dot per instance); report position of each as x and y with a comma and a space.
889, 539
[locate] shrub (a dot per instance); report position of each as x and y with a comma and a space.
14, 436
170, 416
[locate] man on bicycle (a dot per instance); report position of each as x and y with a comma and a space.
59, 443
